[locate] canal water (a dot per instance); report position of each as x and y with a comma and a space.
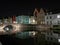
11, 40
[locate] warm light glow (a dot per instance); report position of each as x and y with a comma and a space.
58, 16
14, 22
58, 40
32, 32
7, 29
33, 20
17, 28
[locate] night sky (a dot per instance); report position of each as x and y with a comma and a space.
27, 7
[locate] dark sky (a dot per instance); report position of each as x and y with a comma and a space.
23, 6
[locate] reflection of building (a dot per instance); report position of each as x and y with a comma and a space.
42, 17
43, 27
26, 34
39, 16
52, 19
52, 37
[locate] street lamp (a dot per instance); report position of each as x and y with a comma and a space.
58, 40
33, 20
58, 16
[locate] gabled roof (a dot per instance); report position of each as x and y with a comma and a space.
41, 10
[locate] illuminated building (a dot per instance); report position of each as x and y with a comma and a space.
13, 19
39, 16
22, 19
32, 20
52, 19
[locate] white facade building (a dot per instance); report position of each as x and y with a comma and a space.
52, 19
53, 37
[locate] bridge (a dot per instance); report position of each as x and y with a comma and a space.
15, 28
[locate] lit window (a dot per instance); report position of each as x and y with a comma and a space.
14, 22
58, 40
33, 20
58, 16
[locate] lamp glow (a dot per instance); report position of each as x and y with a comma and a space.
58, 16
33, 20
58, 40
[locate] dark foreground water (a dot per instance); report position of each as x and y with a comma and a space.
11, 40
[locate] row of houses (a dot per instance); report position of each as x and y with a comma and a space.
39, 17
25, 20
43, 17
19, 19
53, 34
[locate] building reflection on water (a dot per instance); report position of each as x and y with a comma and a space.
30, 30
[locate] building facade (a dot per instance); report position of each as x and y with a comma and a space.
52, 37
22, 19
52, 19
39, 16
32, 20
